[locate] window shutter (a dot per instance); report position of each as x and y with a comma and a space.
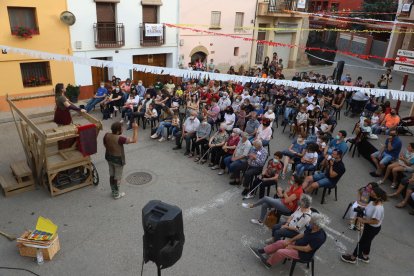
215, 19
149, 14
105, 12
239, 20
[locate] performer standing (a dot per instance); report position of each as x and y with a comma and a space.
115, 156
63, 105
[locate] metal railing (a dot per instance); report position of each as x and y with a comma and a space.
151, 40
109, 35
281, 5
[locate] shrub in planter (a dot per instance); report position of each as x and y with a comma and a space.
72, 92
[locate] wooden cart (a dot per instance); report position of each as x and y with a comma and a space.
59, 170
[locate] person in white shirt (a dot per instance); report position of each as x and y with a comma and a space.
373, 215
224, 102
301, 121
188, 132
236, 104
245, 95
309, 160
264, 132
295, 224
229, 118
270, 114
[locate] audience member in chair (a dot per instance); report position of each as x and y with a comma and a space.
237, 161
100, 95
387, 154
301, 247
390, 122
334, 171
188, 132
293, 154
295, 224
286, 203
270, 175
309, 160
404, 164
255, 162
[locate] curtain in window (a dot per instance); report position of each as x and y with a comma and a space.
22, 17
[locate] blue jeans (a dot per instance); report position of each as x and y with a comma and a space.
231, 164
383, 158
323, 181
288, 110
302, 167
160, 129
92, 102
174, 130
278, 232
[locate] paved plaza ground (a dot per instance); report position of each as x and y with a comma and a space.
101, 236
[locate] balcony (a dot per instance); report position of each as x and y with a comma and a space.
109, 35
157, 38
273, 7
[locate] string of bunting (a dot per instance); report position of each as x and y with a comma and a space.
388, 93
278, 44
355, 19
308, 29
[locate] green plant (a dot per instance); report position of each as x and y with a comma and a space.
72, 91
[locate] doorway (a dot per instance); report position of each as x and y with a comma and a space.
153, 60
99, 74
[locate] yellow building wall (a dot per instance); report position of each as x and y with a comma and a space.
53, 37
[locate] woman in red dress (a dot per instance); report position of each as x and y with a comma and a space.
63, 105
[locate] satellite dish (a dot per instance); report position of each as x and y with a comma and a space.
68, 18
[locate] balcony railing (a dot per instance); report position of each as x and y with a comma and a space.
270, 7
151, 40
109, 35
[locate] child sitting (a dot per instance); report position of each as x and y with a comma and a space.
364, 194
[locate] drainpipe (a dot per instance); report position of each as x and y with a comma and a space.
254, 30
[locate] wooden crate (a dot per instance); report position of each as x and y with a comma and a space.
48, 253
11, 187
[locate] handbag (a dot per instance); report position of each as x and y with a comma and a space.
271, 219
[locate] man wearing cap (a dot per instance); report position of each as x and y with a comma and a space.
334, 171
238, 160
256, 160
188, 133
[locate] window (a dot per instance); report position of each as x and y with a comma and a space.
22, 18
35, 74
236, 51
215, 20
238, 25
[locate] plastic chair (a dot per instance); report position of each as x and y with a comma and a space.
293, 265
329, 192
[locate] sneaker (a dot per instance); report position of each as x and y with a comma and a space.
128, 122
215, 167
170, 137
154, 136
110, 115
121, 194
256, 221
247, 205
364, 259
348, 259
379, 182
173, 138
270, 240
162, 139
122, 121
221, 172
352, 227
249, 196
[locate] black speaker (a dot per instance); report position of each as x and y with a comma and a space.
339, 71
163, 233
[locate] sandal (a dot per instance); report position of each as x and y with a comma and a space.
401, 205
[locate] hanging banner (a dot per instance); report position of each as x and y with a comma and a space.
153, 30
301, 4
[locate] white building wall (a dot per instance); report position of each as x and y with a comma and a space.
128, 12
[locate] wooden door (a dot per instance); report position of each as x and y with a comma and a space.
99, 74
153, 60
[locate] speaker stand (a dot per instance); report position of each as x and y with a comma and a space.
158, 270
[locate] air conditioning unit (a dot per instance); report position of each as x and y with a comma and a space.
78, 45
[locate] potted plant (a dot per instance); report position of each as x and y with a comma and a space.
23, 32
72, 92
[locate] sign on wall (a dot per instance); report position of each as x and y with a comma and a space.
404, 61
153, 29
301, 4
